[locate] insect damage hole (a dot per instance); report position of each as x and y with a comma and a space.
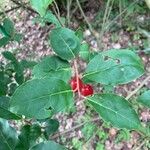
118, 61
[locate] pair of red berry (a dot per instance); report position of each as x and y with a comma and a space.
85, 89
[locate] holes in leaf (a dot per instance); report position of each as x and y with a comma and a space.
49, 108
106, 58
117, 61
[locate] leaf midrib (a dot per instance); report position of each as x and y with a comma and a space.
51, 94
5, 140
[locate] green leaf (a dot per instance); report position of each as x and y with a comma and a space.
65, 43
4, 109
4, 41
4, 102
2, 31
28, 137
53, 67
17, 37
4, 80
116, 110
8, 136
9, 56
145, 99
27, 64
79, 33
46, 96
114, 67
40, 6
9, 27
19, 76
50, 145
51, 126
84, 51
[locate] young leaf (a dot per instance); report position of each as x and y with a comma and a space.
51, 18
84, 51
51, 126
8, 136
116, 110
41, 6
53, 67
145, 98
28, 137
114, 67
65, 43
46, 96
4, 109
79, 33
49, 145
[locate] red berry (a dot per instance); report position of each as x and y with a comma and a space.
73, 83
87, 90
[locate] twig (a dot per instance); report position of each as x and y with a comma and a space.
138, 88
57, 8
9, 10
69, 2
139, 147
88, 23
77, 77
23, 5
74, 128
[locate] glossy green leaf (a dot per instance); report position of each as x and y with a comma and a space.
8, 136
116, 110
46, 96
145, 98
53, 67
4, 41
41, 6
65, 43
50, 145
28, 137
114, 67
51, 126
4, 109
84, 51
8, 26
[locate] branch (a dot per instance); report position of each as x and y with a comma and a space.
23, 5
138, 88
9, 10
74, 128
